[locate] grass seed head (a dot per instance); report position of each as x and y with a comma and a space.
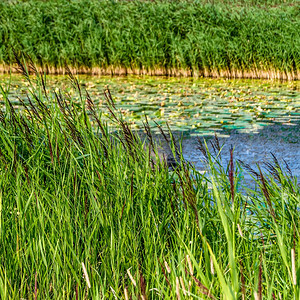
190, 264
182, 285
167, 267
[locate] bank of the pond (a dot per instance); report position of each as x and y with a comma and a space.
164, 72
184, 38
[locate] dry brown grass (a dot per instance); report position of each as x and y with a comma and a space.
121, 71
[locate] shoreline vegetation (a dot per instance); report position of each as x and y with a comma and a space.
115, 71
92, 212
249, 39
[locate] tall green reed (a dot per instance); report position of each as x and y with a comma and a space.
198, 38
90, 211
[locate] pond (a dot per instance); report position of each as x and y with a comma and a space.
255, 116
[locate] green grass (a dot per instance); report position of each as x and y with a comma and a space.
211, 38
76, 194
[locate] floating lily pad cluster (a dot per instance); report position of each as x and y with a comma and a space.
200, 106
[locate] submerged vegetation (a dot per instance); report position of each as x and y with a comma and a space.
198, 38
90, 212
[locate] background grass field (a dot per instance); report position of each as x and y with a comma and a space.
211, 38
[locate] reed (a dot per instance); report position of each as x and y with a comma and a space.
252, 39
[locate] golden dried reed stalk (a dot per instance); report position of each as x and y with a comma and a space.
177, 289
126, 294
86, 276
158, 71
131, 278
212, 269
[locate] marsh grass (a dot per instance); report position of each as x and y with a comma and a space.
250, 39
87, 213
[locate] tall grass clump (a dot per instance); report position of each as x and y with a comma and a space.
92, 212
195, 38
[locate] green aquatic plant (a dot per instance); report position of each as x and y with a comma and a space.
88, 211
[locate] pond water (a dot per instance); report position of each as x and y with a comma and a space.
255, 116
199, 106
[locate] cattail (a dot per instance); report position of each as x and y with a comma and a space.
182, 285
167, 267
260, 281
231, 174
126, 294
240, 230
86, 276
177, 289
131, 278
266, 194
212, 269
202, 148
293, 266
190, 264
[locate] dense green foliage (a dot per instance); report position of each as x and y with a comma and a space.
200, 37
76, 195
